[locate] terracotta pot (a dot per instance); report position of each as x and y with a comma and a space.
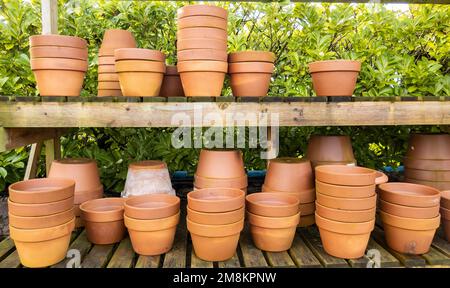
79, 223
171, 85
109, 93
342, 239
38, 64
250, 68
439, 185
352, 204
427, 175
348, 216
202, 10
108, 85
84, 196
108, 77
274, 234
307, 220
202, 21
73, 82
139, 54
297, 174
147, 164
202, 33
106, 60
429, 146
202, 54
59, 52
250, 79
141, 83
216, 218
140, 66
407, 194
38, 191
154, 206
76, 210
305, 196
215, 242
251, 56
272, 204
202, 182
243, 189
216, 199
425, 164
220, 163
42, 247
308, 208
43, 209
348, 175
330, 149
409, 235
314, 164
445, 199
57, 40
152, 237
106, 69
201, 43
334, 77
409, 212
202, 78
345, 191
21, 222
445, 218
115, 39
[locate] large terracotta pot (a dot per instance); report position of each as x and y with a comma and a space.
202, 78
171, 85
202, 32
306, 196
216, 200
345, 191
334, 77
427, 175
349, 175
439, 185
154, 206
220, 164
352, 204
41, 209
429, 146
202, 54
218, 218
409, 235
330, 149
445, 218
249, 79
201, 43
409, 212
39, 222
427, 164
58, 41
272, 204
59, 52
140, 77
355, 216
202, 21
408, 194
289, 174
115, 39
202, 10
203, 182
43, 190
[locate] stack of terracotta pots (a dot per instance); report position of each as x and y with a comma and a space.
103, 219
202, 49
141, 71
250, 72
345, 208
59, 64
152, 221
427, 160
273, 219
410, 216
220, 168
330, 150
334, 77
108, 80
293, 176
41, 219
215, 219
86, 176
445, 213
171, 85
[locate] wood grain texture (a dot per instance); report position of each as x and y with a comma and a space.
233, 262
302, 255
6, 246
251, 256
279, 259
199, 263
82, 244
98, 257
386, 259
12, 261
148, 261
123, 256
11, 138
176, 257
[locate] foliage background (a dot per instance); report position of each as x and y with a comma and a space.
403, 53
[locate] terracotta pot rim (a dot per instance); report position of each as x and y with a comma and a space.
139, 54
387, 188
235, 228
410, 223
349, 65
251, 56
346, 211
202, 54
369, 171
215, 213
49, 40
202, 66
56, 64
216, 44
147, 164
274, 222
161, 223
202, 10
44, 234
112, 214
134, 66
67, 52
37, 204
346, 225
270, 189
251, 67
39, 218
348, 198
212, 33
250, 198
192, 194
16, 188
171, 202
402, 208
428, 181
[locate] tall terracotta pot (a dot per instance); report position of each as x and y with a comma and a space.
202, 78
171, 85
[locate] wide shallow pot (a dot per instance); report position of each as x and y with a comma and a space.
272, 204
153, 206
355, 216
352, 204
334, 77
43, 190
330, 149
171, 85
445, 199
57, 40
152, 237
42, 247
115, 39
203, 182
409, 235
202, 54
203, 77
429, 146
289, 174
345, 191
216, 199
202, 10
202, 21
251, 56
409, 212
408, 194
439, 185
39, 222
215, 242
220, 163
42, 209
59, 52
274, 234
427, 164
305, 196
219, 218
348, 175
201, 43
427, 175
202, 32
342, 239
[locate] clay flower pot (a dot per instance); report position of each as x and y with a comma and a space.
42, 209
427, 164
203, 182
349, 216
42, 247
39, 191
296, 173
274, 234
351, 204
140, 77
202, 78
152, 237
342, 239
106, 60
348, 175
201, 43
202, 32
107, 69
445, 217
334, 77
202, 10
108, 77
345, 191
409, 235
250, 78
409, 212
220, 218
308, 208
272, 204
429, 146
306, 196
115, 39
202, 54
445, 199
220, 164
39, 222
202, 21
153, 206
57, 40
59, 52
171, 85
439, 185
408, 194
251, 56
103, 219
216, 200
330, 149
109, 93
108, 85
215, 242
427, 175
307, 220
139, 54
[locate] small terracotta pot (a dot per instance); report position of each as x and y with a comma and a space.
215, 242
305, 196
352, 204
42, 247
272, 204
152, 237
409, 212
108, 77
203, 182
445, 218
115, 39
109, 93
334, 77
342, 239
445, 199
171, 85
345, 191
202, 21
308, 208
348, 175
106, 60
216, 218
330, 149
409, 235
139, 54
429, 146
154, 206
59, 52
38, 191
250, 79
407, 194
202, 32
216, 200
211, 73
297, 174
141, 81
220, 164
439, 185
201, 43
274, 234
202, 10
21, 222
43, 209
106, 69
426, 164
427, 175
348, 216
57, 40
49, 82
202, 54
108, 85
251, 56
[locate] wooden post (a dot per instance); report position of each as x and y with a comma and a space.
52, 152
33, 160
49, 9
